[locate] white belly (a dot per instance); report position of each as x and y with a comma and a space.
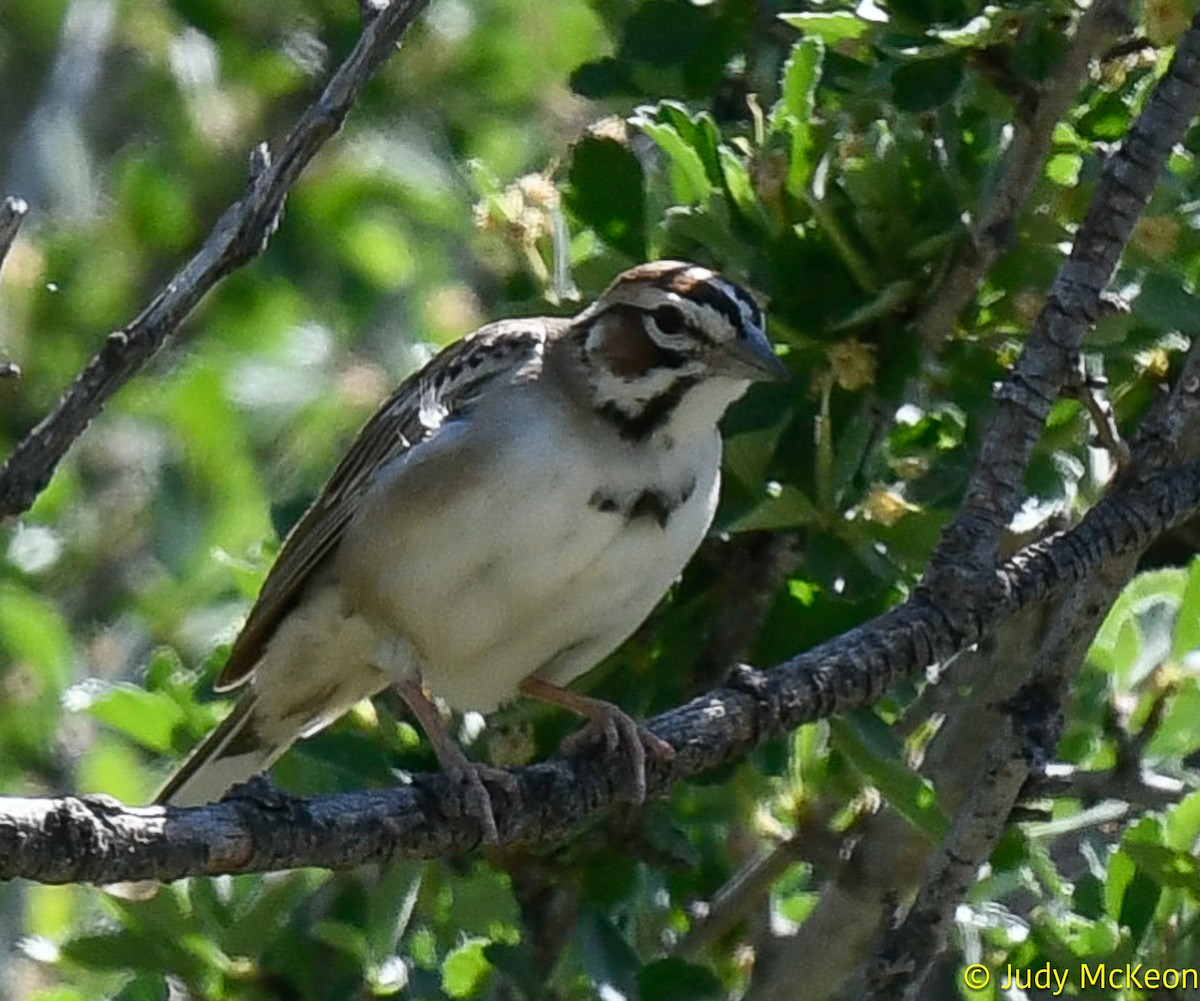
509, 570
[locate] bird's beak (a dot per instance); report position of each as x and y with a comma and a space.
751, 358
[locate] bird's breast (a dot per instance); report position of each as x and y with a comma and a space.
517, 547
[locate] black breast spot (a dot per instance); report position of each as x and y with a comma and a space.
653, 504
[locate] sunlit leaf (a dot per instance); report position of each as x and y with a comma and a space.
857, 736
466, 970
828, 27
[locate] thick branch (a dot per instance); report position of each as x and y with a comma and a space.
1169, 434
98, 840
1048, 358
239, 236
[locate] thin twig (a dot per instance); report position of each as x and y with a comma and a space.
996, 487
993, 232
12, 213
238, 237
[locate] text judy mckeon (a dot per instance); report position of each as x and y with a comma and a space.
1106, 976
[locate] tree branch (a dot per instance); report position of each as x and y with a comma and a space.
1169, 434
12, 214
1023, 161
96, 839
1047, 360
239, 236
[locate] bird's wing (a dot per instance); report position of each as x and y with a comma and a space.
497, 355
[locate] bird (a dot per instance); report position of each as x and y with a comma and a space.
507, 518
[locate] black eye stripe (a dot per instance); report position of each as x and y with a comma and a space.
688, 283
716, 300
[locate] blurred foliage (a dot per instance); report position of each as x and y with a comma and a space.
508, 156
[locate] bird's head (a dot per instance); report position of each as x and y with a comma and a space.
669, 342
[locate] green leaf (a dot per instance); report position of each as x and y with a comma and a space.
343, 936
32, 629
144, 987
1143, 889
62, 993
611, 964
888, 301
604, 191
517, 964
157, 203
783, 507
1063, 169
150, 718
466, 971
678, 980
830, 27
1177, 735
1168, 867
257, 922
793, 114
699, 131
1145, 843
740, 188
483, 904
689, 181
1183, 823
801, 73
114, 767
1137, 632
1083, 937
927, 83
1166, 300
602, 78
390, 906
112, 951
377, 249
869, 745
1187, 625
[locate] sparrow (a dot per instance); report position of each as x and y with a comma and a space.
506, 519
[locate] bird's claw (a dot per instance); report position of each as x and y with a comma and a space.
476, 800
616, 729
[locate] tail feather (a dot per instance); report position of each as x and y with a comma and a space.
234, 752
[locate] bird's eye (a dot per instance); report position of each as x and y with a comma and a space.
669, 319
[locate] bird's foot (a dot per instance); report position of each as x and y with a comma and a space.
617, 730
476, 800
606, 723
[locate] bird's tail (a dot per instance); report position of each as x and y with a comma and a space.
235, 751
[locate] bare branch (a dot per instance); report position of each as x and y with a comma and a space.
993, 231
900, 969
887, 857
238, 237
969, 544
12, 213
1169, 434
96, 839
754, 566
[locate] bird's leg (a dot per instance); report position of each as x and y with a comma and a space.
607, 722
454, 762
